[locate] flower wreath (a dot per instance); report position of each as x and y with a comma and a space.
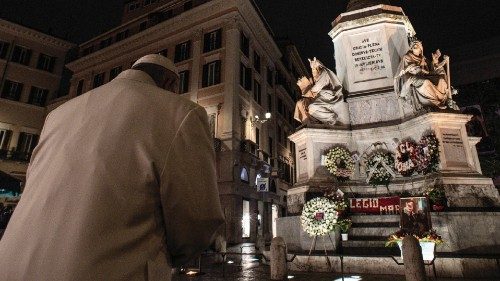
340, 163
429, 149
379, 168
407, 158
319, 216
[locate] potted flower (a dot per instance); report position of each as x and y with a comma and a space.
344, 225
427, 240
437, 197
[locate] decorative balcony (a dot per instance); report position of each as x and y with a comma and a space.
12, 155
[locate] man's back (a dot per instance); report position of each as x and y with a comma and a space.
99, 182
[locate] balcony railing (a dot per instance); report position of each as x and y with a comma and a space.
249, 147
13, 155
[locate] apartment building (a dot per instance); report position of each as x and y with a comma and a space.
31, 65
230, 63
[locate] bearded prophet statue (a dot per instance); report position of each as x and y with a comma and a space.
424, 84
322, 98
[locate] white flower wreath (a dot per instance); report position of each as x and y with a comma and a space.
319, 216
339, 163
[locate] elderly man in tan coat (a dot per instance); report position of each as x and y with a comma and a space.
122, 185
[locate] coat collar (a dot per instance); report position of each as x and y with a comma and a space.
136, 75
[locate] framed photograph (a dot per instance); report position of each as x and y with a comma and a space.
415, 215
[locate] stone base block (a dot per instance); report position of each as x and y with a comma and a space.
475, 268
298, 240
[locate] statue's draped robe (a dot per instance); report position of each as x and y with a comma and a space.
327, 106
421, 89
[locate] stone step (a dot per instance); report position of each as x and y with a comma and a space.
360, 241
372, 231
374, 218
370, 251
363, 244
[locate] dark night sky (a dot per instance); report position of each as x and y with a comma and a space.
439, 23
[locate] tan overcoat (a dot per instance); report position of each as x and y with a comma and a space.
121, 186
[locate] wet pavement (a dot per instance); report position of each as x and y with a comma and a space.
249, 268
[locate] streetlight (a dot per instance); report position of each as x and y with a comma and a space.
257, 119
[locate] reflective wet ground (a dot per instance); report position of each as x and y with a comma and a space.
249, 268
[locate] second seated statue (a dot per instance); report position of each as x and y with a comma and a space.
421, 83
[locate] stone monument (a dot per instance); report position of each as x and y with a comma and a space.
392, 93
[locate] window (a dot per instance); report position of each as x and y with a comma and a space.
122, 35
245, 45
188, 5
143, 25
38, 96
212, 41
98, 80
149, 2
114, 72
4, 48
280, 106
79, 88
26, 143
244, 175
211, 74
270, 77
134, 6
12, 90
271, 144
269, 103
164, 52
279, 134
21, 55
183, 82
182, 51
105, 43
46, 62
245, 77
257, 93
257, 136
256, 61
5, 136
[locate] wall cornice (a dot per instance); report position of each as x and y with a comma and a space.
37, 36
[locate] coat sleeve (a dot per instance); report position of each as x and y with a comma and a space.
188, 188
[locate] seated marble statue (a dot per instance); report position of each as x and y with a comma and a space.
422, 83
322, 99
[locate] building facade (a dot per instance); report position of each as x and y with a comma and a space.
31, 65
230, 64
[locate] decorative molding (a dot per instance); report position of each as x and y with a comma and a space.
25, 32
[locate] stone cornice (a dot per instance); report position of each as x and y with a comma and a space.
37, 36
174, 26
430, 118
371, 20
214, 10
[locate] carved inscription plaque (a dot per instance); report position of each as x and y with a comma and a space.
367, 56
454, 149
302, 163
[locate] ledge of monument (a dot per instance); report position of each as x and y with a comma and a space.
322, 126
367, 12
